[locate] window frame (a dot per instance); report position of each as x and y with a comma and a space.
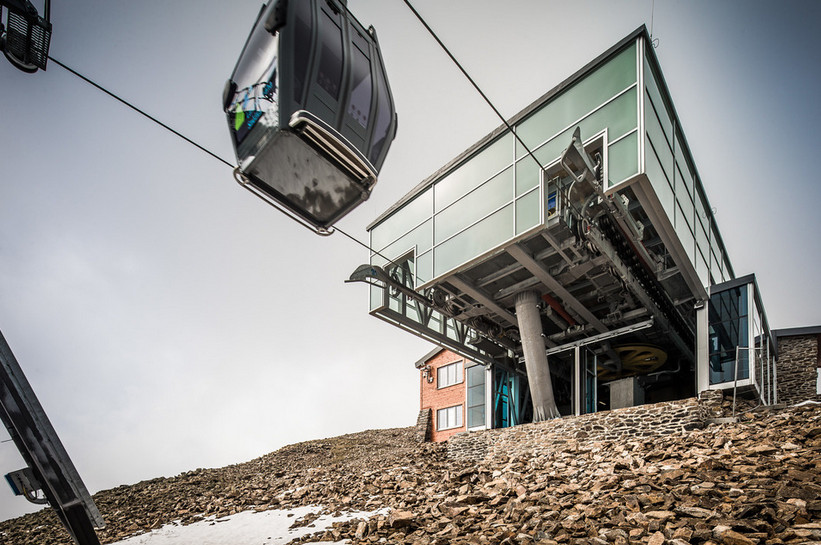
459, 417
460, 374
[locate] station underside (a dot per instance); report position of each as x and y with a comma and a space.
606, 281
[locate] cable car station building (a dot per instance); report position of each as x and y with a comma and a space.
593, 276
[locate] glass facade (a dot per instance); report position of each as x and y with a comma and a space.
729, 319
507, 399
739, 332
495, 194
668, 165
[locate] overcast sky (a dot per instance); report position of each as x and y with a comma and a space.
168, 320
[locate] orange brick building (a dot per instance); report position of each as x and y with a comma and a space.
442, 392
458, 395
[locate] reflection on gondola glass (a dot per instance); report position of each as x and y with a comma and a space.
302, 46
330, 58
359, 107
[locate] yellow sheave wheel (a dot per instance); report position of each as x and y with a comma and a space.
636, 359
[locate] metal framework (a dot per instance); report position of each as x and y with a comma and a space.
50, 471
602, 276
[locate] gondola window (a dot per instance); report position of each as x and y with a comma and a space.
330, 60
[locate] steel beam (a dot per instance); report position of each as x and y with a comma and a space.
483, 298
606, 248
41, 448
602, 336
519, 254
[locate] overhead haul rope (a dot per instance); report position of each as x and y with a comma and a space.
141, 112
190, 141
472, 82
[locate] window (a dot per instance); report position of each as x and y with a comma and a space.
329, 76
476, 396
448, 375
359, 105
449, 418
728, 329
302, 47
384, 116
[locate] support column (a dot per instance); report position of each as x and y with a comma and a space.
579, 374
702, 347
535, 352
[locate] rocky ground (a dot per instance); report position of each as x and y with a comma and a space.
757, 480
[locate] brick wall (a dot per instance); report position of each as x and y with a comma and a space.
433, 397
529, 440
798, 361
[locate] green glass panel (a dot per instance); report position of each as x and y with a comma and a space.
403, 220
725, 274
424, 267
701, 208
411, 312
684, 174
655, 99
394, 304
476, 416
551, 151
480, 238
701, 269
659, 180
418, 239
572, 104
527, 175
619, 117
476, 396
687, 213
659, 141
715, 266
476, 377
474, 172
701, 239
623, 159
527, 212
435, 322
450, 331
715, 246
475, 205
376, 294
685, 236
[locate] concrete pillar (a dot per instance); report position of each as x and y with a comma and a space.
535, 352
626, 392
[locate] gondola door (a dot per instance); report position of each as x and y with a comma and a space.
356, 115
328, 74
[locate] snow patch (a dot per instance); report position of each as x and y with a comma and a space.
246, 528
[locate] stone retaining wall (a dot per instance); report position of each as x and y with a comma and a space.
531, 440
423, 425
797, 369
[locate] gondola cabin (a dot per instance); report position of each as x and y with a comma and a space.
310, 110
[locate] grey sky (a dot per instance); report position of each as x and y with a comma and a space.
168, 320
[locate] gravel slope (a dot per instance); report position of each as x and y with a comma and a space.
754, 481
